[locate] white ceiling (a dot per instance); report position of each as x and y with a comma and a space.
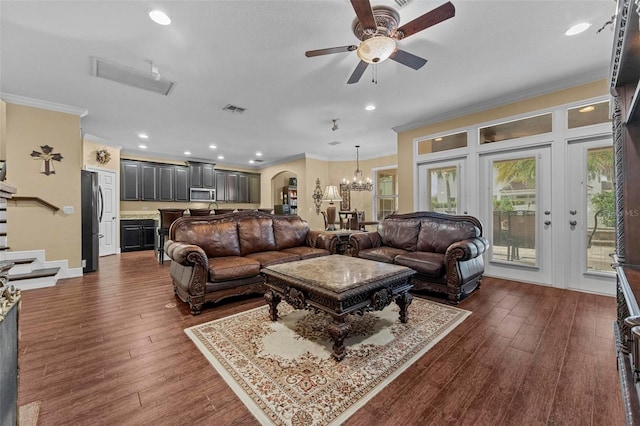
251, 54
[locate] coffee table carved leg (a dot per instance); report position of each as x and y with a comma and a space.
404, 300
272, 299
338, 330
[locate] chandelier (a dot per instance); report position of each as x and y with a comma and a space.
358, 184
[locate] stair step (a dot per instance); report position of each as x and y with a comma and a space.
22, 261
37, 273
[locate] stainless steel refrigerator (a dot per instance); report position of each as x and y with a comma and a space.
91, 212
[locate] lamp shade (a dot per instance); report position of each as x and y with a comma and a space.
376, 49
331, 194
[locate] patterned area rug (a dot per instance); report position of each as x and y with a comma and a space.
284, 373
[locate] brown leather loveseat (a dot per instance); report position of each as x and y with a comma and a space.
214, 257
445, 250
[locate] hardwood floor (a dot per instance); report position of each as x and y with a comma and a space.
109, 349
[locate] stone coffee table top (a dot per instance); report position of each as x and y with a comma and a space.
337, 273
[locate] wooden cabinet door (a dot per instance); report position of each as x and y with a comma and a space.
129, 236
195, 175
181, 191
221, 185
254, 189
232, 187
166, 178
243, 188
148, 235
129, 180
208, 176
149, 176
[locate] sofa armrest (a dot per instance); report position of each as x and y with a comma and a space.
364, 240
322, 240
466, 249
186, 254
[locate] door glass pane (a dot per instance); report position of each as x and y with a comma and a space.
443, 189
386, 192
514, 211
600, 209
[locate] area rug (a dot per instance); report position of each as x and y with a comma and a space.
28, 414
284, 373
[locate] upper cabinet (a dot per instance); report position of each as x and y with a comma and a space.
147, 181
201, 175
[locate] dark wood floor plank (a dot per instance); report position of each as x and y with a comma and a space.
109, 348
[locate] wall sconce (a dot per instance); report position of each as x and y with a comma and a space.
317, 196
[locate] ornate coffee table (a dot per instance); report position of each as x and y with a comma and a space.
338, 285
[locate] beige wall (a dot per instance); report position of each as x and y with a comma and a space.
33, 226
89, 149
3, 130
405, 139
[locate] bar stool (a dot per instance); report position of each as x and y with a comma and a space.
167, 216
199, 212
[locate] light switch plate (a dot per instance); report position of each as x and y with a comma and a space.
68, 209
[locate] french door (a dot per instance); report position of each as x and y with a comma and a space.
590, 216
515, 204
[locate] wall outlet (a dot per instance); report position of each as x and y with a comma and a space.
68, 209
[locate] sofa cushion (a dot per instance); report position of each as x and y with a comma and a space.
215, 238
401, 234
436, 235
381, 254
256, 235
232, 267
268, 258
431, 264
289, 232
306, 252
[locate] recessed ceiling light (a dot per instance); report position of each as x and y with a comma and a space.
212, 146
143, 136
220, 157
370, 107
159, 17
251, 161
587, 109
141, 146
578, 28
258, 154
187, 153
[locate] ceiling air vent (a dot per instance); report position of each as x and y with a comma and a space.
402, 3
233, 108
257, 161
131, 77
335, 143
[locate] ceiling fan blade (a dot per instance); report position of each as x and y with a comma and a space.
437, 15
319, 52
357, 73
364, 14
408, 59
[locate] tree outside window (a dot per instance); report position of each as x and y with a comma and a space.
386, 195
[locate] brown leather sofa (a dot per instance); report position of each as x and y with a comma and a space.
445, 250
214, 257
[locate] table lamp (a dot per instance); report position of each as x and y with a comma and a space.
331, 194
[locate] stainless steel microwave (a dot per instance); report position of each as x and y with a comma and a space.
202, 194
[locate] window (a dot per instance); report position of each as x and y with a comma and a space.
516, 129
386, 195
443, 143
587, 115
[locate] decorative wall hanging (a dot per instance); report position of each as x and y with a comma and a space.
103, 156
317, 196
345, 193
47, 157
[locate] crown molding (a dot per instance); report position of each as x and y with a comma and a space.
533, 92
96, 139
38, 103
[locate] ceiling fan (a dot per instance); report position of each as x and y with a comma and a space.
377, 29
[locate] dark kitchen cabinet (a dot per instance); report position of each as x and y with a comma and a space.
181, 191
166, 182
130, 180
137, 234
149, 181
202, 175
221, 185
243, 188
232, 186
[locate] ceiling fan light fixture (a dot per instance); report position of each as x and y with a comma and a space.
376, 49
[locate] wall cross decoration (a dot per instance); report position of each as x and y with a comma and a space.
47, 157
